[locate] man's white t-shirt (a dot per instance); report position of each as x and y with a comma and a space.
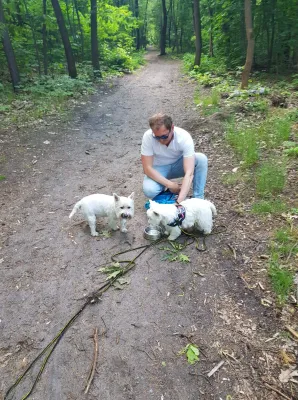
181, 145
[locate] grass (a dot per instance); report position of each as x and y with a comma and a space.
281, 280
283, 252
208, 104
268, 207
244, 141
270, 178
264, 140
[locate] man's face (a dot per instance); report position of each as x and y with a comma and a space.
163, 135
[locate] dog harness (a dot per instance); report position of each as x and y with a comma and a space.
180, 216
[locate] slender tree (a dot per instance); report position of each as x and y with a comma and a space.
8, 50
163, 31
137, 14
65, 39
197, 29
94, 39
31, 24
80, 27
45, 38
250, 44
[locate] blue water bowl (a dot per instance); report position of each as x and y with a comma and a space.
163, 198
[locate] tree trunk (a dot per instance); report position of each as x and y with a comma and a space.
8, 50
271, 45
45, 38
250, 44
94, 40
197, 29
210, 11
65, 39
33, 36
144, 35
163, 31
80, 28
138, 41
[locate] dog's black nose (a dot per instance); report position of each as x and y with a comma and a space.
123, 215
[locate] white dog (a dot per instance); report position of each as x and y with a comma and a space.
116, 208
194, 213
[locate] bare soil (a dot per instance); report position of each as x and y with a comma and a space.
49, 264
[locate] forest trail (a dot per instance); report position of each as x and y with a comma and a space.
49, 265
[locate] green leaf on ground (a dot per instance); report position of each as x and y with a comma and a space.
192, 353
183, 258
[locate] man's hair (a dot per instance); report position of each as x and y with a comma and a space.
158, 120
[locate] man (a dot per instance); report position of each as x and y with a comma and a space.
168, 153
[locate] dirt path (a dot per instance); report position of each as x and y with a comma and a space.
49, 264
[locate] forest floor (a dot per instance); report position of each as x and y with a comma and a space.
49, 264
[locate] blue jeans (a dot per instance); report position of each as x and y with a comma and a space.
152, 188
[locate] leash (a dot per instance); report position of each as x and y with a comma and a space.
92, 299
203, 246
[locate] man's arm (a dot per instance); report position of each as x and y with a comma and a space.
188, 166
147, 162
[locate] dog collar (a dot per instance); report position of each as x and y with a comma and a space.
180, 216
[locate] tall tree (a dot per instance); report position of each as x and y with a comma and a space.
250, 44
8, 50
197, 29
94, 39
163, 31
31, 24
65, 39
44, 38
138, 37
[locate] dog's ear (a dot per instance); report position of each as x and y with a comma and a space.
116, 197
131, 196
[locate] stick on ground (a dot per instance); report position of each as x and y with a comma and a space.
91, 375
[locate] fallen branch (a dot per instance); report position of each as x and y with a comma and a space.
291, 330
277, 391
92, 371
220, 364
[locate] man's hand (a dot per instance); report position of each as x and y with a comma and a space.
174, 187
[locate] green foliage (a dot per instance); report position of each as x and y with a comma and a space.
245, 142
281, 280
268, 207
113, 270
292, 152
192, 353
208, 104
174, 253
270, 178
2, 177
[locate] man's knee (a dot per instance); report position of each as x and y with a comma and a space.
151, 189
201, 160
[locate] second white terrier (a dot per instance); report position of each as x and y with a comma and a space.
116, 208
194, 213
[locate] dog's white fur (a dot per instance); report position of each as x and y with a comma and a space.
116, 208
198, 214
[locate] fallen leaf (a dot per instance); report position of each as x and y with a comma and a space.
287, 375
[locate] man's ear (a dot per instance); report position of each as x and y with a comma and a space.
116, 197
132, 195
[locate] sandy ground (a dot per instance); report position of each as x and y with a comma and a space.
49, 264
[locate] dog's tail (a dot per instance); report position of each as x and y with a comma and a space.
75, 209
213, 209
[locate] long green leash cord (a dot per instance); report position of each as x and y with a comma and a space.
93, 298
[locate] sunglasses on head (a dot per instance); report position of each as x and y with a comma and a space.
163, 137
